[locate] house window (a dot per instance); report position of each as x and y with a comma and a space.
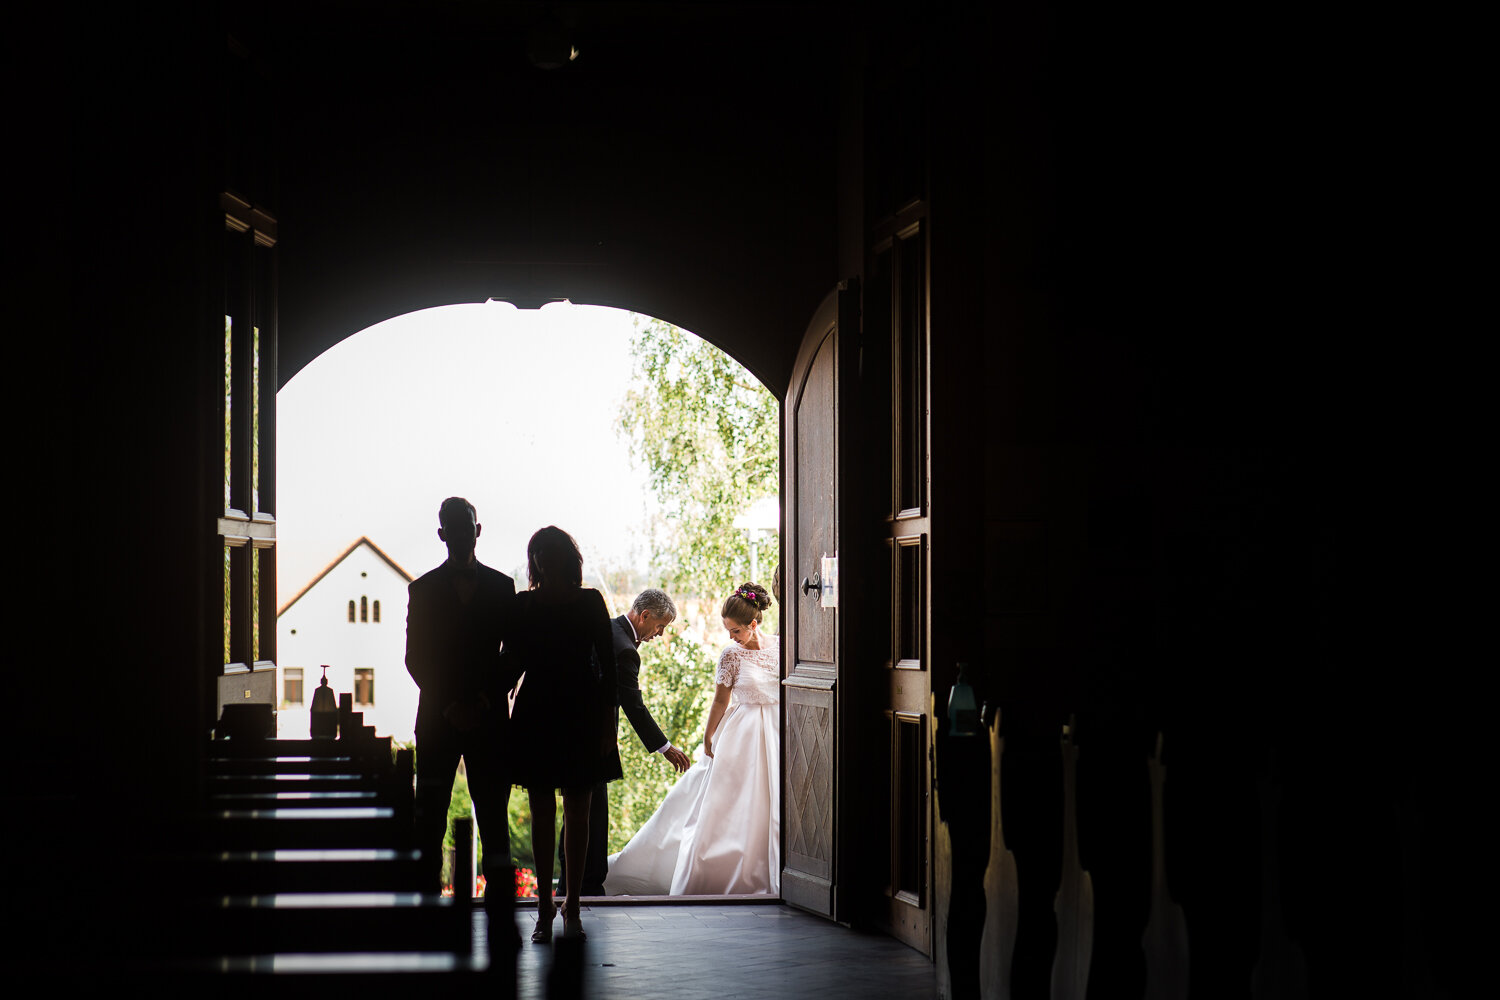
364, 609
364, 685
351, 612
377, 612
291, 685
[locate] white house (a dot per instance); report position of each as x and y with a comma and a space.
352, 617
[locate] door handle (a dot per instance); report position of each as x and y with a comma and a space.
809, 585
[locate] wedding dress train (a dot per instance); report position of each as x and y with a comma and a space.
718, 831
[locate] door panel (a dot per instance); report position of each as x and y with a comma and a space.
897, 328
816, 527
809, 835
811, 683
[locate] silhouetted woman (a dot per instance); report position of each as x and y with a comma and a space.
562, 726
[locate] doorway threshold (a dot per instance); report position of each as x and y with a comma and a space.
756, 899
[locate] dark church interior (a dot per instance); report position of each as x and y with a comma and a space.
1036, 283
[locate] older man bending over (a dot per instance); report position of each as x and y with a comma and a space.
650, 613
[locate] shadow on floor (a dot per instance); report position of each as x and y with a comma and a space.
767, 951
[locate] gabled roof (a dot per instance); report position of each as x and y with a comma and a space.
362, 540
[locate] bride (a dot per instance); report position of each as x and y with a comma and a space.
718, 831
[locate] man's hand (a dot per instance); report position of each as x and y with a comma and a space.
677, 759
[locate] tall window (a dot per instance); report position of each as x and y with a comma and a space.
364, 608
247, 522
377, 612
239, 502
351, 612
364, 686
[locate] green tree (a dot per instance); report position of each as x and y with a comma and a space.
461, 806
706, 433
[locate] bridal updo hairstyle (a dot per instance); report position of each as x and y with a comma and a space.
553, 556
746, 603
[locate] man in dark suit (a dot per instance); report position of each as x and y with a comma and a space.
651, 612
455, 623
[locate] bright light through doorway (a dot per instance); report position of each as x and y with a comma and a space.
380, 428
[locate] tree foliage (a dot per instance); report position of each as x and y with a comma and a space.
461, 807
706, 432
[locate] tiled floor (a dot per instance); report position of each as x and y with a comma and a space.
645, 952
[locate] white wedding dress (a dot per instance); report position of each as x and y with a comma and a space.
718, 831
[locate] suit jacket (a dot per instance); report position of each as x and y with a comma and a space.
453, 649
628, 681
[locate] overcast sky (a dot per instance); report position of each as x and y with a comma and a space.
378, 430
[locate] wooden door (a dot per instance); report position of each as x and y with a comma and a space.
890, 656
895, 335
812, 638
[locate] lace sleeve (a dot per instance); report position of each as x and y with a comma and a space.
729, 667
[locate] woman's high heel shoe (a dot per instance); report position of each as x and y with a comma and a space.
543, 932
573, 926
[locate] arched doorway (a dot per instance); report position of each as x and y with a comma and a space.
643, 441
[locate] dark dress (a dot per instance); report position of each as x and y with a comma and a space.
563, 724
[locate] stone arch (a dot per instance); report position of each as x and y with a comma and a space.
723, 332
